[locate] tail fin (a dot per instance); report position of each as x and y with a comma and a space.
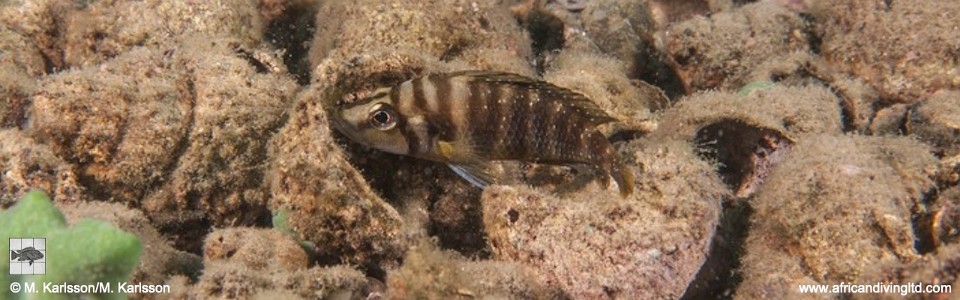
13, 255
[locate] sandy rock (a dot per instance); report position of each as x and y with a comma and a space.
86, 33
932, 269
431, 273
890, 121
940, 225
905, 51
159, 260
184, 127
239, 98
18, 52
120, 123
26, 164
257, 249
16, 91
936, 121
40, 22
329, 202
789, 110
836, 206
594, 244
263, 263
720, 51
621, 29
748, 133
441, 30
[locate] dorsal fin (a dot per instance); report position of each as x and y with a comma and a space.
590, 110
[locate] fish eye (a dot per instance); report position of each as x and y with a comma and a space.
383, 118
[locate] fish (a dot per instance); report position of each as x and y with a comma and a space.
28, 253
470, 119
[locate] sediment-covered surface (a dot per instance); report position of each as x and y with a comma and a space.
772, 144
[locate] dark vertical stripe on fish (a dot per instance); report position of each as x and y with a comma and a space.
395, 96
413, 141
550, 118
448, 126
542, 121
518, 107
419, 101
504, 139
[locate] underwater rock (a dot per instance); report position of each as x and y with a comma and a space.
940, 225
40, 22
836, 206
934, 268
431, 273
86, 33
159, 261
232, 280
120, 123
26, 164
619, 28
593, 244
936, 121
905, 51
719, 52
20, 63
184, 128
482, 34
749, 133
890, 120
254, 248
328, 202
16, 92
238, 99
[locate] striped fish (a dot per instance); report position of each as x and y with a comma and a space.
468, 119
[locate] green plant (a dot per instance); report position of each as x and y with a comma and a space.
89, 252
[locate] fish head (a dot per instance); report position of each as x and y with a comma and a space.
373, 122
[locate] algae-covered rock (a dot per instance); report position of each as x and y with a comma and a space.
441, 30
594, 244
257, 249
120, 123
904, 50
26, 164
239, 98
16, 90
327, 201
787, 109
20, 63
836, 206
749, 132
87, 252
183, 128
936, 121
19, 54
159, 261
247, 262
431, 273
86, 33
935, 271
721, 50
